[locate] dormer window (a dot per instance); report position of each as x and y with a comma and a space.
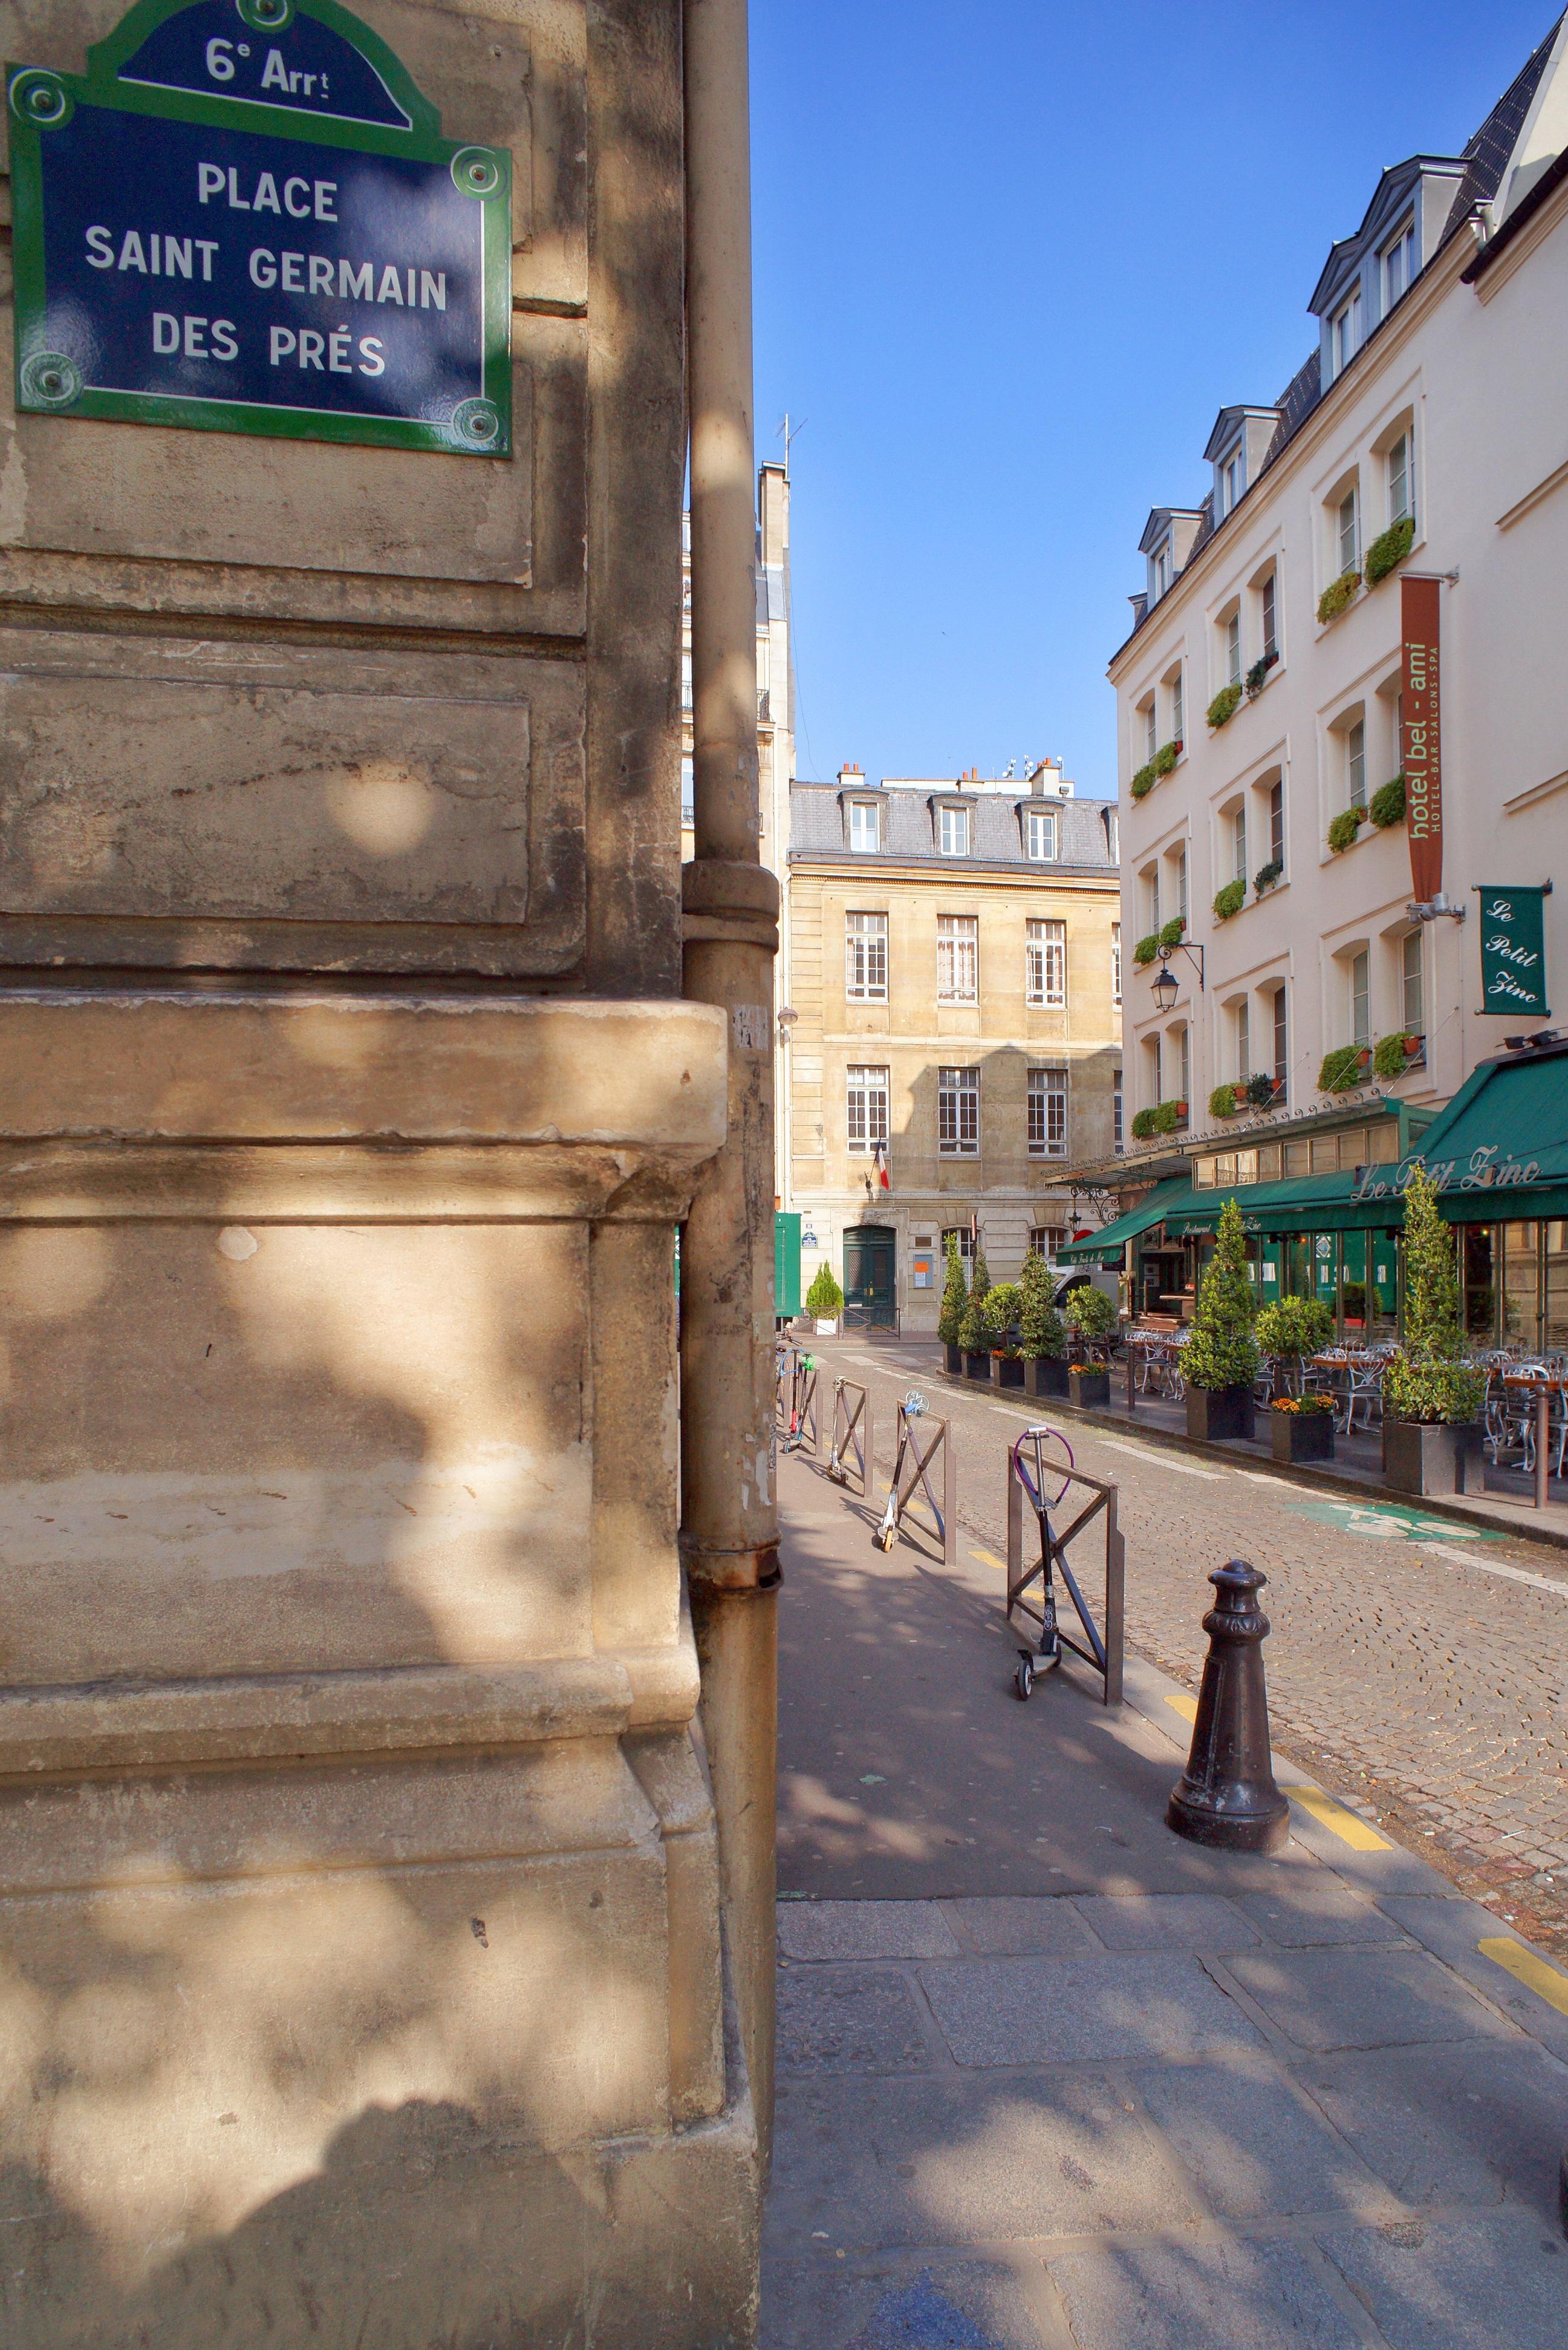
1345, 333
1398, 265
1040, 834
864, 825
1232, 479
954, 831
1162, 569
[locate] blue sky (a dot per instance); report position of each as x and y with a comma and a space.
1012, 258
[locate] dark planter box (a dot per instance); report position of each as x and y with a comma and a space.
1005, 1372
1421, 1459
1302, 1435
1089, 1384
1218, 1415
1045, 1375
952, 1361
978, 1367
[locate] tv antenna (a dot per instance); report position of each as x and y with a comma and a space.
791, 432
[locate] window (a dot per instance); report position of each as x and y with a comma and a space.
958, 939
867, 1096
1156, 1068
1181, 883
1184, 1045
1401, 503
1177, 710
958, 1113
1348, 534
1361, 998
965, 1238
1151, 892
1233, 478
955, 831
864, 825
1271, 624
1047, 1113
1150, 729
865, 958
1116, 963
1398, 265
1233, 650
1243, 1039
1162, 569
1040, 833
1356, 765
1045, 963
1239, 843
1117, 1107
1282, 1038
1345, 333
1044, 1240
1412, 1005
1277, 823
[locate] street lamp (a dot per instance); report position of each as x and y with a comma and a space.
786, 1018
1167, 988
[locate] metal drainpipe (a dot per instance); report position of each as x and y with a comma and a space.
729, 1514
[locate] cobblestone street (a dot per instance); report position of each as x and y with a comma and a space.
1416, 1667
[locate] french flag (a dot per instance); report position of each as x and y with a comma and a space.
881, 1159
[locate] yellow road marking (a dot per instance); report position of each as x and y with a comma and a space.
1187, 1706
989, 1558
1346, 1824
1528, 1969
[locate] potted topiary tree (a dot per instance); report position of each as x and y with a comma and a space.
1219, 1360
955, 1297
1432, 1391
1091, 1318
1301, 1427
973, 1336
999, 1318
1043, 1334
824, 1300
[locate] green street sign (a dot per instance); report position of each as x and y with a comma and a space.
243, 218
1513, 950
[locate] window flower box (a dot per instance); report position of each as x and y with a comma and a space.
1224, 706
1388, 552
1338, 597
1345, 1069
1230, 899
1394, 1055
1344, 828
1144, 782
1386, 805
1267, 875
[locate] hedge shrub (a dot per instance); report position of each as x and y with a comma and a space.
1230, 899
1386, 554
1344, 827
1337, 596
825, 1299
1224, 706
955, 1294
1430, 1378
1222, 1351
1040, 1326
1387, 805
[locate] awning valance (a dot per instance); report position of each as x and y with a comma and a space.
1106, 1245
1500, 1150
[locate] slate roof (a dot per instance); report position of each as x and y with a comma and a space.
909, 834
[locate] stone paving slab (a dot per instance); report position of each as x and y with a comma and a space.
1455, 1929
842, 2020
1498, 2284
934, 2304
865, 1929
1474, 2124
961, 2160
1106, 2008
1167, 1921
1362, 1999
1017, 1926
1208, 2294
1309, 1916
1256, 2146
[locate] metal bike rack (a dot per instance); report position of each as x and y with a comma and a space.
921, 1440
1038, 1477
853, 1450
794, 1401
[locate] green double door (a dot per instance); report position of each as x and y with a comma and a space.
869, 1292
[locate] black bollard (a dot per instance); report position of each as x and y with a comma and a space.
1227, 1797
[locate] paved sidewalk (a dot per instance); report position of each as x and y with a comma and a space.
1051, 2076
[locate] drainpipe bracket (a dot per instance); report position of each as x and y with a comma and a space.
756, 1569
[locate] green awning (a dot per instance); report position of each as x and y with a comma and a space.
1500, 1150
1104, 1247
1312, 1203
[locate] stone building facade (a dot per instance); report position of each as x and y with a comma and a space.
954, 980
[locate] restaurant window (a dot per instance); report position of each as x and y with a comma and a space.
866, 1094
1324, 1151
1268, 1162
1045, 963
865, 958
1225, 1170
1412, 1007
1521, 1286
958, 1113
1047, 1113
1382, 1143
958, 950
1477, 1277
955, 831
1295, 1159
1361, 998
1557, 1287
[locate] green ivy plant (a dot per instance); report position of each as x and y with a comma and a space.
1222, 1351
955, 1297
1230, 899
1342, 1069
1173, 932
1431, 1379
825, 1299
1147, 949
1344, 827
1041, 1330
1142, 1124
1388, 552
1267, 875
1389, 1057
1387, 805
1166, 757
1143, 783
1222, 1102
1224, 706
1338, 596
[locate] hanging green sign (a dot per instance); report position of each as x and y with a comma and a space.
1513, 950
243, 218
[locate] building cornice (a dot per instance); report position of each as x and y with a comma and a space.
824, 861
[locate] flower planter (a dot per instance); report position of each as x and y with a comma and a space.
1089, 1384
952, 1361
1302, 1435
1044, 1375
828, 1328
1220, 1415
1006, 1371
978, 1367
1419, 1458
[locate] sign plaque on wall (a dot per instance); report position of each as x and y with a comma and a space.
1513, 950
243, 218
1423, 735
